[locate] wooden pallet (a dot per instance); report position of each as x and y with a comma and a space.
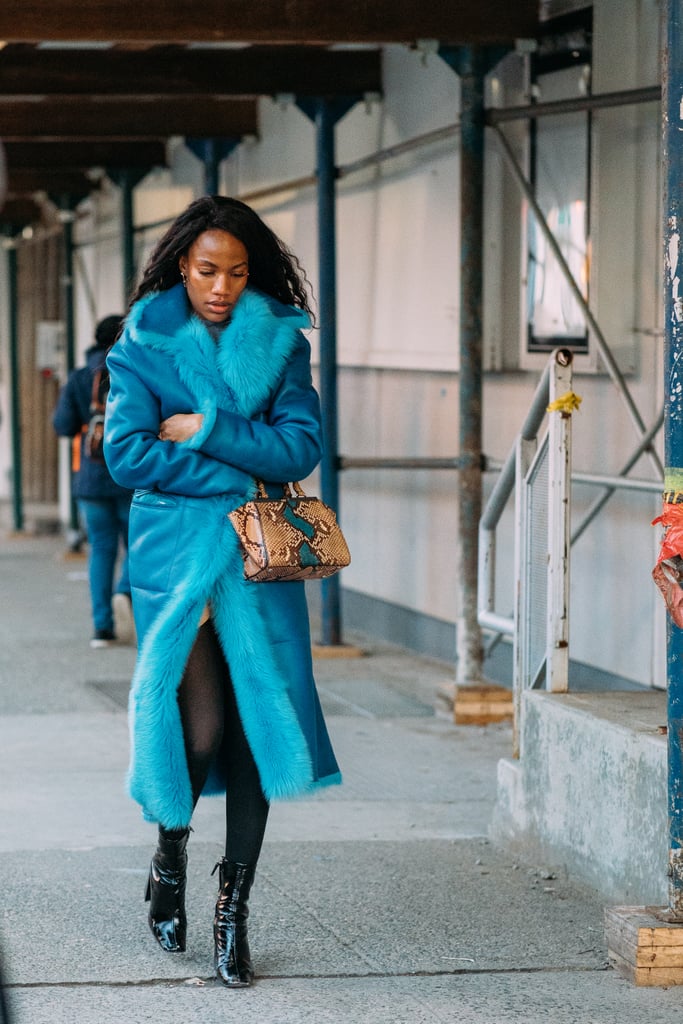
643, 947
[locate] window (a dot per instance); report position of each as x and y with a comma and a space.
559, 148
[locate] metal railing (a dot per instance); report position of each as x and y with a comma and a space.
539, 474
502, 490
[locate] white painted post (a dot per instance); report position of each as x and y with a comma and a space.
559, 507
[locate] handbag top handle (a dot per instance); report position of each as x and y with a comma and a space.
263, 494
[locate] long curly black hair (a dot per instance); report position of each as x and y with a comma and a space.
273, 269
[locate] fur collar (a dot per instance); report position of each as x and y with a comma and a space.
240, 370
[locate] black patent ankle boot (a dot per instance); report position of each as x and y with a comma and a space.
166, 891
232, 958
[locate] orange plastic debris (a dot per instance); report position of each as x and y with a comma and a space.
668, 572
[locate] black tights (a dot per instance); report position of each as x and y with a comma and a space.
211, 722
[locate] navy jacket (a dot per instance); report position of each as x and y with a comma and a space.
92, 479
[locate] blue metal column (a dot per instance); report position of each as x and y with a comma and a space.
211, 166
17, 481
469, 640
127, 184
471, 65
212, 152
67, 217
127, 178
327, 284
326, 113
672, 137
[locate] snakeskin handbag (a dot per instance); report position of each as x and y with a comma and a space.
290, 538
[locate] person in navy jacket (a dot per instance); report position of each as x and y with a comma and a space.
211, 389
103, 504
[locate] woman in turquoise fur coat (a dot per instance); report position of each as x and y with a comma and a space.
210, 389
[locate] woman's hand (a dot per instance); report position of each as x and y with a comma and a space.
181, 426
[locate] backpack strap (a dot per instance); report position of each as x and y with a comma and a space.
96, 403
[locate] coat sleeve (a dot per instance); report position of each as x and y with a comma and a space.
287, 445
135, 456
68, 419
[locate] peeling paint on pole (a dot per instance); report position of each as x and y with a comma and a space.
672, 151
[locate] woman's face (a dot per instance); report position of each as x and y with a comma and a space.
216, 268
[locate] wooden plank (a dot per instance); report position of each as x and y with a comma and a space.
640, 925
323, 651
658, 956
484, 692
177, 71
268, 21
666, 954
482, 704
651, 977
82, 154
56, 182
141, 117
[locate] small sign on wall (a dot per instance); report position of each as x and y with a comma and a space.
51, 348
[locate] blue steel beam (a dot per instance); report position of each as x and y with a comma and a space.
672, 138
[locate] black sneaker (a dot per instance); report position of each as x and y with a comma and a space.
103, 638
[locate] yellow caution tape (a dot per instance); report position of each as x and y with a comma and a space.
569, 402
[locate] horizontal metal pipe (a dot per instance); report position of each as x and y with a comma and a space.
603, 498
619, 482
306, 181
628, 97
400, 149
350, 462
497, 623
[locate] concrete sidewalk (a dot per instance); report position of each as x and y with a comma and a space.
378, 901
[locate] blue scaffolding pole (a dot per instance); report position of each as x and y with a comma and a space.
15, 390
471, 64
672, 132
212, 152
325, 113
67, 218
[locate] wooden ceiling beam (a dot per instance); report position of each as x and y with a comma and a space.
18, 213
84, 154
252, 71
133, 118
55, 182
268, 21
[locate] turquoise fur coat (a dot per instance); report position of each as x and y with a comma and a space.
261, 419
